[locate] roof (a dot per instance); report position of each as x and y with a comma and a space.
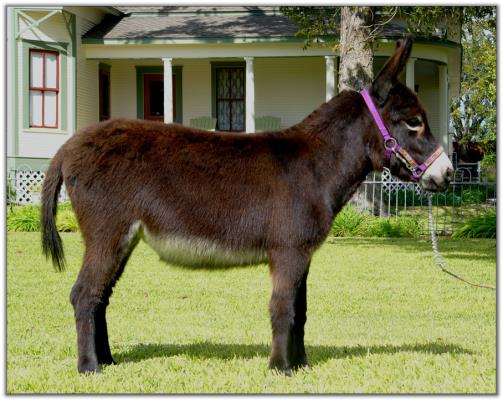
196, 9
190, 22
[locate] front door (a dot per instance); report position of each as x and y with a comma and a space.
153, 97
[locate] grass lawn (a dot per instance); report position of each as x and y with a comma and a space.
381, 319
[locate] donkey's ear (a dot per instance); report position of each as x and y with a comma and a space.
388, 75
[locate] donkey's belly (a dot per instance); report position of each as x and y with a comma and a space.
199, 252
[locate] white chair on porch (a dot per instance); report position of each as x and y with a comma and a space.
206, 123
267, 123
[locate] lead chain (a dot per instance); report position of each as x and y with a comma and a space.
438, 260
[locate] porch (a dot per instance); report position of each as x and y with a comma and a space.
237, 90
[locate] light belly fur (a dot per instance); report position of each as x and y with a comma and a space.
198, 252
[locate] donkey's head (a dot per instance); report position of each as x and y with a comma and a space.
414, 153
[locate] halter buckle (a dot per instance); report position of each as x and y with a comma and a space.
393, 144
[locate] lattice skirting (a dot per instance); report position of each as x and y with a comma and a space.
28, 184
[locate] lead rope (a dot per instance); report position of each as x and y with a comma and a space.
438, 260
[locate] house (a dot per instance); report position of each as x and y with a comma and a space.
71, 66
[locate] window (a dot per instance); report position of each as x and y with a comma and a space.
44, 88
104, 81
230, 101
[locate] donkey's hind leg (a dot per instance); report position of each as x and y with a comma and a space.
288, 271
101, 336
103, 264
102, 344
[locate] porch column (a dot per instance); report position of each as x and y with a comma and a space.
409, 73
250, 96
330, 77
168, 90
443, 100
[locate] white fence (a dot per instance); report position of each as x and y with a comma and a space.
386, 196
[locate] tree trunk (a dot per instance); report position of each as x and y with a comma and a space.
356, 52
355, 73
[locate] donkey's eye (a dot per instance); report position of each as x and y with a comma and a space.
414, 122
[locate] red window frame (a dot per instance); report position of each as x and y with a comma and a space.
45, 89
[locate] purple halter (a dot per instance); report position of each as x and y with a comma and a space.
391, 145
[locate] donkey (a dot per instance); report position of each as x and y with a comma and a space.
215, 199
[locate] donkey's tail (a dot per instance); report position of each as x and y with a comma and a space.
51, 241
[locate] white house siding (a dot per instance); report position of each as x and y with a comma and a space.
123, 87
426, 76
196, 89
289, 88
42, 142
87, 70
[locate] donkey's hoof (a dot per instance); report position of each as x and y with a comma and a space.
107, 361
301, 365
89, 370
300, 362
280, 367
88, 366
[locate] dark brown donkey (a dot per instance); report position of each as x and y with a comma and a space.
216, 199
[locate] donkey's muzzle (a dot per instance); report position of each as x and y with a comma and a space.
439, 175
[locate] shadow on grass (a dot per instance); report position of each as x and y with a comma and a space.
316, 354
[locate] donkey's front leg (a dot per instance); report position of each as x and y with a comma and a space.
296, 350
288, 270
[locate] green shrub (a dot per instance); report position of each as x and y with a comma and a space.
24, 219
394, 227
350, 222
66, 221
482, 226
27, 219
